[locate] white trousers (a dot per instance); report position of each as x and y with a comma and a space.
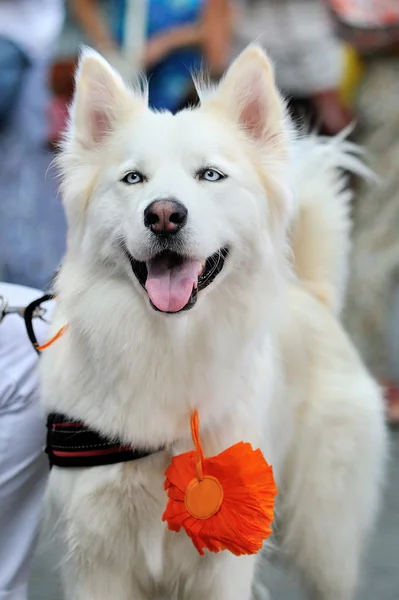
23, 464
23, 475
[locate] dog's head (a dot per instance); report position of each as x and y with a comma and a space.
177, 203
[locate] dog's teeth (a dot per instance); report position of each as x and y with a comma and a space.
201, 267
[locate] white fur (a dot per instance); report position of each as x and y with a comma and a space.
259, 356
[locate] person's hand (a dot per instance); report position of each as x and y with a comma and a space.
331, 113
159, 46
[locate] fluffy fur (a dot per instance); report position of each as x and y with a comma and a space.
262, 355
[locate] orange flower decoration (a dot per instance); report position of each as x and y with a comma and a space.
223, 503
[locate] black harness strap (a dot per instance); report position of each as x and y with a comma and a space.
28, 318
72, 444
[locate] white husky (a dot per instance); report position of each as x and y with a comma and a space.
206, 269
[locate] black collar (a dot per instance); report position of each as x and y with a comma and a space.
72, 444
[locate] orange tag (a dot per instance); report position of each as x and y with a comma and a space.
223, 503
203, 498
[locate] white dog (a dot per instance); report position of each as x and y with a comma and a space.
206, 269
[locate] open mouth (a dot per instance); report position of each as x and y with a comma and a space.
173, 281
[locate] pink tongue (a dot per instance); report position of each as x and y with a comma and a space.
169, 289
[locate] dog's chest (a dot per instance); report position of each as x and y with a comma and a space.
147, 400
115, 514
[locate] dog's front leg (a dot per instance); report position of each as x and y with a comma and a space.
100, 583
222, 577
331, 494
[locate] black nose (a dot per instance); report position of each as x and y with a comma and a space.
165, 216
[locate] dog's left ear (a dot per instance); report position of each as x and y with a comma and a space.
249, 94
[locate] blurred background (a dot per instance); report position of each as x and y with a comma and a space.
337, 61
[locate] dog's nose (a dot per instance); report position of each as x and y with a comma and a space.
165, 216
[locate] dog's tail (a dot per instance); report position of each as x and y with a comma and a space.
320, 233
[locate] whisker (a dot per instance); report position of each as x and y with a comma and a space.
214, 267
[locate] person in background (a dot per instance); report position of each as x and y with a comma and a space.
31, 219
298, 34
28, 32
23, 463
180, 37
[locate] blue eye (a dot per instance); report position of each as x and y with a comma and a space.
211, 175
133, 177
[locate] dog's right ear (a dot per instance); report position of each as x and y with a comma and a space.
101, 100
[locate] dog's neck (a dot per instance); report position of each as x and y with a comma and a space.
130, 364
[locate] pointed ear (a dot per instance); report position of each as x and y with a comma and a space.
101, 99
249, 94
